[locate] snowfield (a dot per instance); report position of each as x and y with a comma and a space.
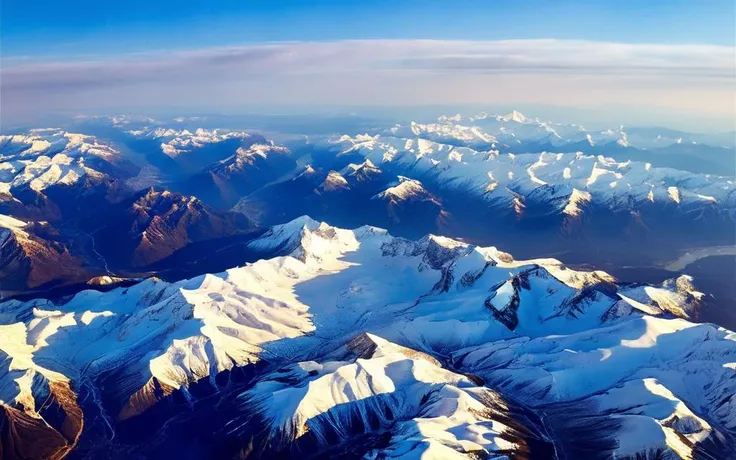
569, 179
46, 157
431, 348
175, 142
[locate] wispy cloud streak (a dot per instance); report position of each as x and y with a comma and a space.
352, 65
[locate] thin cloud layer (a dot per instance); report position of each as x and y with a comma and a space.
561, 72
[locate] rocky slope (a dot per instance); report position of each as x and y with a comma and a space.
154, 224
223, 183
33, 255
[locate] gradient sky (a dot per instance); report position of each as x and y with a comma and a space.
655, 56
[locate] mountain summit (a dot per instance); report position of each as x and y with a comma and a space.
518, 117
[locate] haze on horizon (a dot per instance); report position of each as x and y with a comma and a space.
666, 63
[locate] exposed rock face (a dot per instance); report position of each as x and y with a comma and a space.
223, 183
155, 224
33, 255
23, 436
40, 416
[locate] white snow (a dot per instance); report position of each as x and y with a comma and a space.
518, 117
47, 157
406, 189
177, 142
577, 198
674, 194
535, 329
333, 182
618, 185
453, 422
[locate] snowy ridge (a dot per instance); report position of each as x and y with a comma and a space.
448, 414
47, 157
515, 128
518, 117
248, 156
444, 133
570, 178
434, 310
508, 130
364, 172
639, 384
53, 424
49, 142
176, 142
407, 189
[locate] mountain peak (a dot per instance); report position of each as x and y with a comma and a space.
514, 116
334, 182
362, 172
307, 239
406, 189
450, 118
285, 236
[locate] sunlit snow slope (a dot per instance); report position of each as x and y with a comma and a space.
356, 343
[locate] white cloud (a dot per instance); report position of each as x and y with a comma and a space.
696, 78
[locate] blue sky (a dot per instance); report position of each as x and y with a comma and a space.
629, 59
80, 27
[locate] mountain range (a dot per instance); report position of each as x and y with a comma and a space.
569, 202
163, 293
485, 179
355, 343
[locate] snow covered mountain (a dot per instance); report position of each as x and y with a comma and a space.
517, 128
355, 343
514, 129
477, 184
617, 185
47, 173
177, 142
452, 134
620, 211
224, 182
516, 133
400, 202
180, 151
407, 200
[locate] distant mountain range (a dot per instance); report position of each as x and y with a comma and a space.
533, 187
569, 202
